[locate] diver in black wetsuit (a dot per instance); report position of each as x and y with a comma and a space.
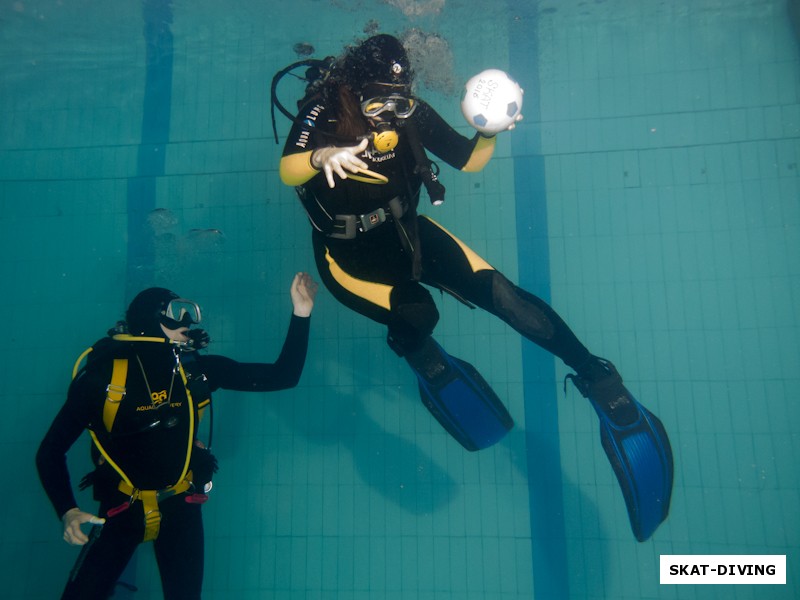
356, 155
141, 395
372, 249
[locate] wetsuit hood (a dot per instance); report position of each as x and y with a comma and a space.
379, 59
146, 310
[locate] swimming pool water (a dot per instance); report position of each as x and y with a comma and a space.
650, 194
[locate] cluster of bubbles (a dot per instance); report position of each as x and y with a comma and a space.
432, 60
429, 53
417, 8
410, 8
161, 220
303, 49
173, 252
372, 27
306, 49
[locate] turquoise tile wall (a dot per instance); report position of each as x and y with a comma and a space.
669, 138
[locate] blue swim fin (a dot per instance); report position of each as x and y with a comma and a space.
460, 399
637, 447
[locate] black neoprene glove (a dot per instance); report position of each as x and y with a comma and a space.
198, 339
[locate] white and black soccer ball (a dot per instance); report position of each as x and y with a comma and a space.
492, 101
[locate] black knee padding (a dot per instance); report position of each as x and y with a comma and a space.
412, 318
523, 311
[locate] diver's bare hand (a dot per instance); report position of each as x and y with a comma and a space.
514, 124
303, 292
491, 133
72, 521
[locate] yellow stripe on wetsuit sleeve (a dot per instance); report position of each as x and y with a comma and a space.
296, 169
481, 153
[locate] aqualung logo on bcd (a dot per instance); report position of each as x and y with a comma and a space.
309, 123
158, 398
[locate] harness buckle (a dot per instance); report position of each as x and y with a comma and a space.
372, 219
152, 524
173, 490
115, 393
346, 227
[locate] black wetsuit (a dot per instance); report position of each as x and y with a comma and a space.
151, 441
378, 272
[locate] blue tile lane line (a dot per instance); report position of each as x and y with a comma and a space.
157, 17
548, 539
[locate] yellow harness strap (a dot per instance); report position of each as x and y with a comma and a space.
115, 392
152, 516
150, 499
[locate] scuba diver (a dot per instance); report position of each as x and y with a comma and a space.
357, 156
141, 394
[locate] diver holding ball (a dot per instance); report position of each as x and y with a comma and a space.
357, 156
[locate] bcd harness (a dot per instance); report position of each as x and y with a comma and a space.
115, 394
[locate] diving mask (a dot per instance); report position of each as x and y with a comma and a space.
386, 113
400, 106
180, 312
